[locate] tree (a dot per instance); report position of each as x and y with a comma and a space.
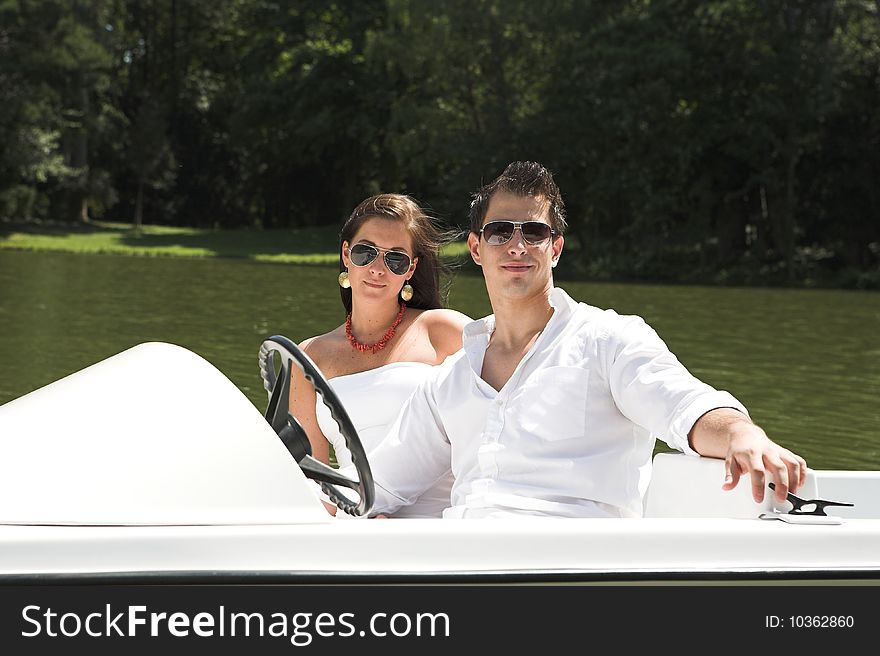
149, 153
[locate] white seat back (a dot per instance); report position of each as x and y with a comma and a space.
688, 486
860, 488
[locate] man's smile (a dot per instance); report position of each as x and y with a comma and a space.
516, 267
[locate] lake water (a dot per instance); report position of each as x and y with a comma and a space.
805, 362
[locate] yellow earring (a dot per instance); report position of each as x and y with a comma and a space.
407, 292
343, 280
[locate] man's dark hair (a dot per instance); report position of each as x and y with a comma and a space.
521, 179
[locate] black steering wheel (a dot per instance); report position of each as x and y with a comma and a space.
293, 435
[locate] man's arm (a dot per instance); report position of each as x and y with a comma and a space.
413, 456
746, 449
652, 388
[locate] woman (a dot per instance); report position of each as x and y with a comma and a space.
395, 331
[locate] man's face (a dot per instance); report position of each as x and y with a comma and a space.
516, 269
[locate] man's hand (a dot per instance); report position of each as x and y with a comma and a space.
746, 449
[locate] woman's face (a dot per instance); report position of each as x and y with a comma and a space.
374, 280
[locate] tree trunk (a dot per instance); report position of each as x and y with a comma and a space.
80, 159
139, 206
175, 75
788, 210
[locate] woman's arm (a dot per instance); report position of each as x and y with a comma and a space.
302, 406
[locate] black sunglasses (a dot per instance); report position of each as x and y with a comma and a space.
500, 232
398, 263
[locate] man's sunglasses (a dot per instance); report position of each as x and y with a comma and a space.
500, 232
398, 263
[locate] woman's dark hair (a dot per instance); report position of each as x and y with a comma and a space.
427, 238
521, 179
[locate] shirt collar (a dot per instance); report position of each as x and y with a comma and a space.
564, 304
475, 337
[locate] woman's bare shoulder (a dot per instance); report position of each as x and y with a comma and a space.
446, 317
323, 348
444, 327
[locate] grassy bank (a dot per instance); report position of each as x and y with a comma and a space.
296, 246
318, 246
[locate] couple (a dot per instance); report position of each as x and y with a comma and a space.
549, 407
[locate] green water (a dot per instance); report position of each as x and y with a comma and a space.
805, 362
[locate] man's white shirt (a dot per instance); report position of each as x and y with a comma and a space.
571, 433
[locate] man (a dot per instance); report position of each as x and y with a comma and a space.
552, 406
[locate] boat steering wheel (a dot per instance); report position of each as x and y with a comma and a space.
293, 435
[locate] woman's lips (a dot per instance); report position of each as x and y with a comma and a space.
374, 285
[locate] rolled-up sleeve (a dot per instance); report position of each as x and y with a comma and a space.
654, 389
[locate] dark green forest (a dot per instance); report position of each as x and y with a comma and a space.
725, 141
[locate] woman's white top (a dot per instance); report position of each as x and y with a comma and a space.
373, 399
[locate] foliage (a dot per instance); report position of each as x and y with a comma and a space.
734, 141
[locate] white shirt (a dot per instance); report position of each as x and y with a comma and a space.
571, 433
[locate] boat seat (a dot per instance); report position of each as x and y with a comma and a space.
860, 488
690, 486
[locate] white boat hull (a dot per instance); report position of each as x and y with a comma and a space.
503, 550
124, 471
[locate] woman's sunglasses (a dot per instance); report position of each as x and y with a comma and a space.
398, 263
500, 232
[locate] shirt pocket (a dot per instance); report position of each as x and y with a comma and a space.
553, 403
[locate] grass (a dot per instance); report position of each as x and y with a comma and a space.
317, 245
292, 246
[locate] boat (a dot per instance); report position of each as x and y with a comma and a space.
152, 466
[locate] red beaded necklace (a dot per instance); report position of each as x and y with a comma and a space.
378, 346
